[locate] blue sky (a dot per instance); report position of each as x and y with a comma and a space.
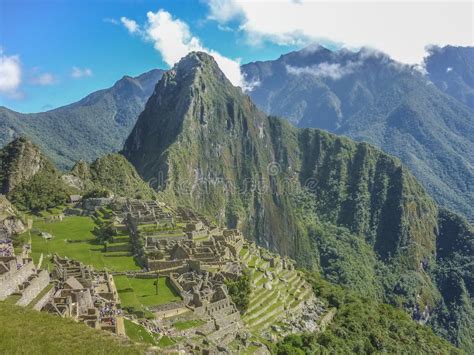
52, 37
55, 52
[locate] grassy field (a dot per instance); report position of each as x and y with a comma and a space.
73, 238
29, 332
183, 325
166, 341
138, 334
141, 293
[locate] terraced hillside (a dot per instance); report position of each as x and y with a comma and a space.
332, 204
275, 294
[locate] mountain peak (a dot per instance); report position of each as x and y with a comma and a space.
197, 64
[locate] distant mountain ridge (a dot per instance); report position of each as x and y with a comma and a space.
337, 206
369, 97
366, 96
87, 129
451, 69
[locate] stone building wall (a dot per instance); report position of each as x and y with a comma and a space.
44, 300
10, 281
159, 265
37, 284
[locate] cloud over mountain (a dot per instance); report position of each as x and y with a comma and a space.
173, 39
391, 26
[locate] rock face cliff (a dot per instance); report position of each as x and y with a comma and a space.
369, 97
344, 208
10, 220
20, 161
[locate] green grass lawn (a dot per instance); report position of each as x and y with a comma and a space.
85, 249
12, 299
166, 341
26, 331
141, 293
52, 211
138, 334
182, 325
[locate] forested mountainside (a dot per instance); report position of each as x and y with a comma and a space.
365, 95
451, 69
343, 208
28, 178
111, 173
369, 97
31, 181
87, 129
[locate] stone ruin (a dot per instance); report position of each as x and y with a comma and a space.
197, 257
85, 295
19, 277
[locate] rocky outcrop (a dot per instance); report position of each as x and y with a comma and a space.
20, 161
9, 218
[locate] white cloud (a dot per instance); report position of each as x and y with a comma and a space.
130, 25
334, 71
224, 11
173, 39
10, 74
43, 79
110, 20
399, 28
448, 69
78, 73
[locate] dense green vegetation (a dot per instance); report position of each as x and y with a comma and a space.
387, 104
363, 326
87, 129
458, 81
30, 332
337, 206
32, 183
112, 173
454, 274
29, 180
239, 291
41, 192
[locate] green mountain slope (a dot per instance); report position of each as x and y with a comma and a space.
337, 206
451, 69
113, 173
86, 129
369, 97
29, 179
391, 331
31, 332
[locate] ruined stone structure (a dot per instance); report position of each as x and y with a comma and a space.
14, 272
196, 255
85, 295
19, 278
